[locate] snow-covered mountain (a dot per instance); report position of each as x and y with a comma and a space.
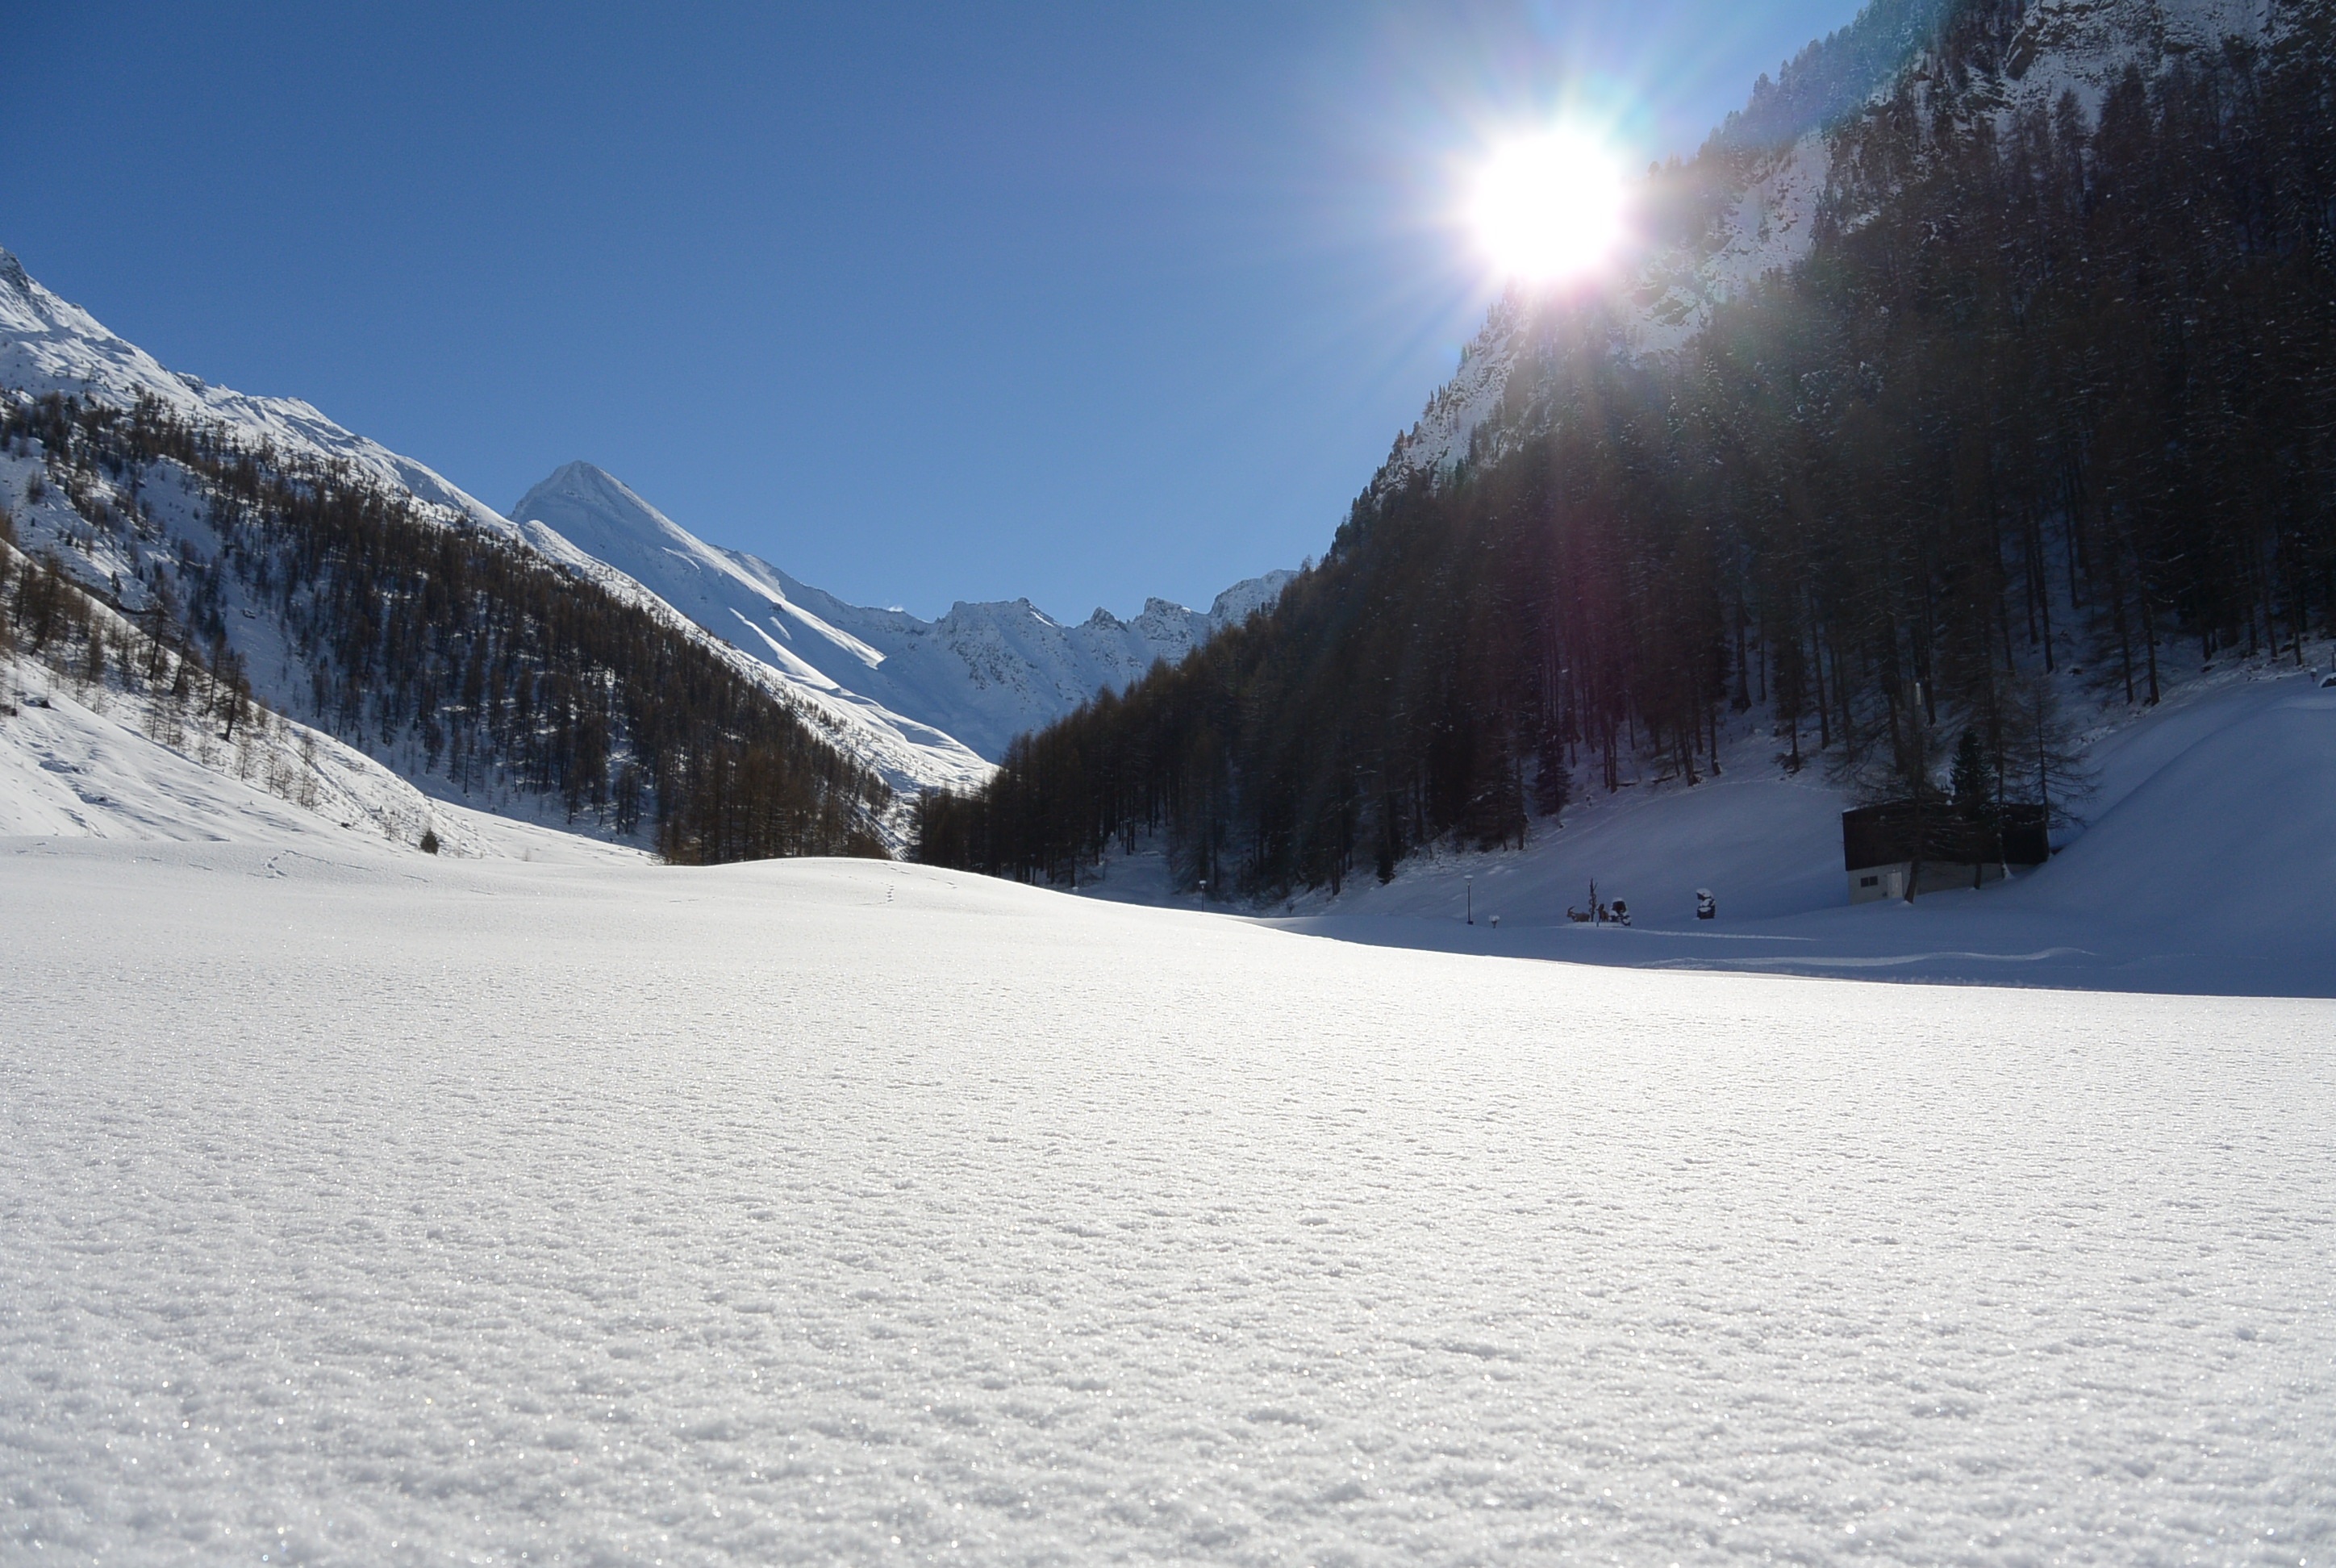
49, 344
923, 704
1764, 208
975, 678
121, 535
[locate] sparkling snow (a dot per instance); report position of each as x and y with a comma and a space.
362, 1207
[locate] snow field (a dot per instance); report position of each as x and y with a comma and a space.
82, 757
366, 1208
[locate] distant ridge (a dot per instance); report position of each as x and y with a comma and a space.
937, 699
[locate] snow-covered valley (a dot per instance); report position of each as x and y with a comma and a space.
364, 1207
2204, 864
401, 1164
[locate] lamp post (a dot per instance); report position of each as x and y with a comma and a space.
1470, 882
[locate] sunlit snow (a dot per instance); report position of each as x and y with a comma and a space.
366, 1207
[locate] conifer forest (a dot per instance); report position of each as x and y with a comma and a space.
2053, 393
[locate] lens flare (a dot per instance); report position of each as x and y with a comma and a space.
1550, 207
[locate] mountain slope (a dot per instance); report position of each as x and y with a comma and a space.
290, 560
922, 705
48, 344
955, 690
2204, 866
2004, 396
1747, 208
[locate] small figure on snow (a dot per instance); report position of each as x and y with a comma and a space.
1622, 913
1707, 907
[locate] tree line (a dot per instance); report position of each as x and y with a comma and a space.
2053, 396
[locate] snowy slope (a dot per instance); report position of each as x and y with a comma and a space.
367, 1209
87, 763
93, 758
47, 344
975, 678
2206, 865
1664, 294
69, 771
170, 527
2083, 46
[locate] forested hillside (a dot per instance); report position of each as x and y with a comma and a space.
2053, 385
496, 666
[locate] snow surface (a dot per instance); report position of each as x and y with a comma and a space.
960, 687
366, 1208
2206, 866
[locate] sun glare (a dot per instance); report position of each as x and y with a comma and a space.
1547, 208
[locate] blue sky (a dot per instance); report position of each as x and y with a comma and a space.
920, 301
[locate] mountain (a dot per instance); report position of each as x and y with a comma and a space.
918, 705
1989, 409
228, 566
1747, 207
937, 698
48, 344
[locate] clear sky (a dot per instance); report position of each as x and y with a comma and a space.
922, 302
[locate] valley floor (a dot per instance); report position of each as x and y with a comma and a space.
367, 1207
2207, 865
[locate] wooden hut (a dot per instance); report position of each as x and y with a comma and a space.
1937, 845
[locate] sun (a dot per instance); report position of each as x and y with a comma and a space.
1549, 207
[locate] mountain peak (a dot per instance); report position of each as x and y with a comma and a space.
578, 479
